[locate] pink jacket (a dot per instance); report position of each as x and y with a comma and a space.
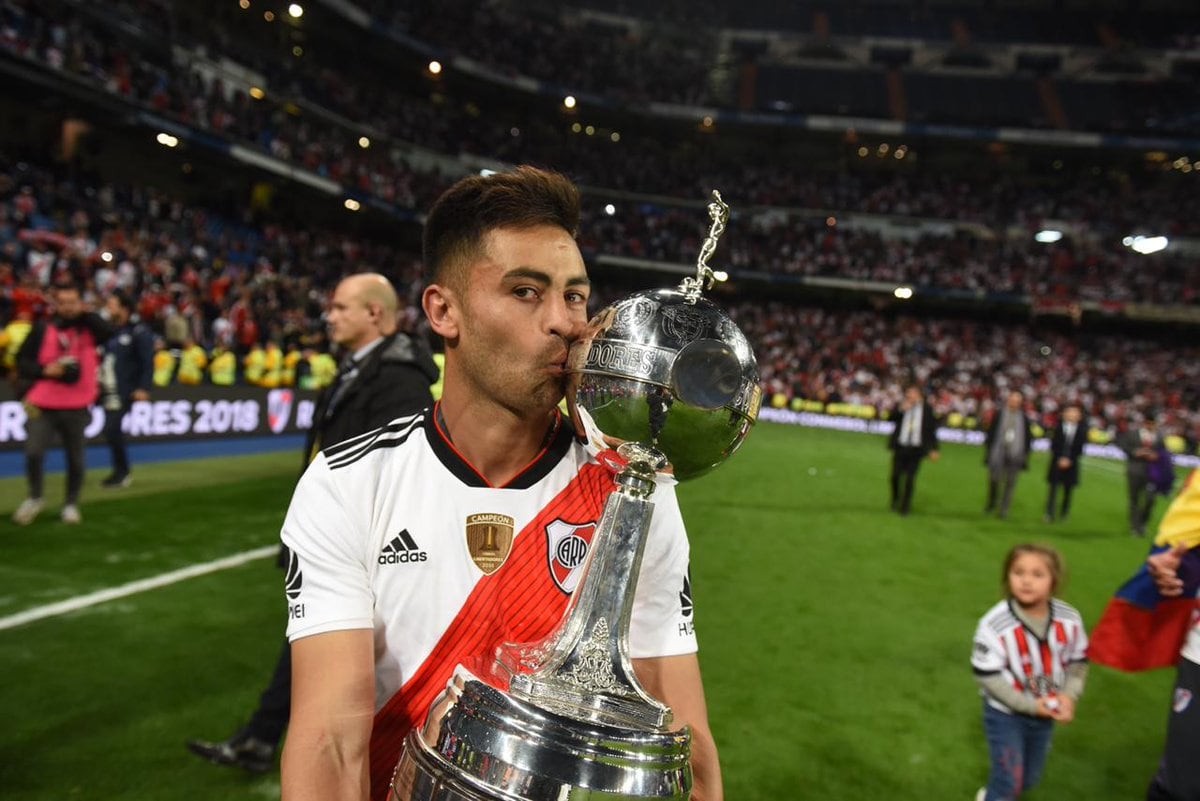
49, 393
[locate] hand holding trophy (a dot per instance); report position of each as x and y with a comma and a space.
670, 377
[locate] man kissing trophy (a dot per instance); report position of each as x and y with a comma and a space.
670, 377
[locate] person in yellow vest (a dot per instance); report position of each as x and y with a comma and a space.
291, 358
254, 365
323, 369
272, 365
192, 361
164, 364
436, 389
223, 367
14, 334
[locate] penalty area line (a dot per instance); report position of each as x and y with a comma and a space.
133, 588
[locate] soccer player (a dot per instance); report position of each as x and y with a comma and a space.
385, 373
386, 594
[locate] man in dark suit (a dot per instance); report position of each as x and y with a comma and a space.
913, 438
126, 376
1142, 444
384, 374
1006, 452
1066, 446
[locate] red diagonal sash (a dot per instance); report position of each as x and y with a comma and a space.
518, 603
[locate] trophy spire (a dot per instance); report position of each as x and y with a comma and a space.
718, 211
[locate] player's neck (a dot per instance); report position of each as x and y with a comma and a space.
1038, 610
498, 443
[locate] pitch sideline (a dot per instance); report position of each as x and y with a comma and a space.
133, 587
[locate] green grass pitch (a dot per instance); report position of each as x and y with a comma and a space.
835, 636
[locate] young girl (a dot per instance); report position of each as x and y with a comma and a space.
1030, 661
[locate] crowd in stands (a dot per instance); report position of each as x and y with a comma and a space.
1094, 268
866, 359
210, 286
199, 278
805, 246
1109, 205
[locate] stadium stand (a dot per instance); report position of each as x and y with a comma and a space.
959, 230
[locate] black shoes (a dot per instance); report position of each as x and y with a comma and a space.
117, 481
241, 750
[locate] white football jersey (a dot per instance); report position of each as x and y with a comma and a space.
1036, 667
395, 531
1191, 644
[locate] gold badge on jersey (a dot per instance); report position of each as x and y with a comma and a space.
489, 540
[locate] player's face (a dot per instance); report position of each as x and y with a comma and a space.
912, 396
524, 302
1072, 415
1030, 581
350, 320
1014, 400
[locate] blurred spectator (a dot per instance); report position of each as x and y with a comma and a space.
60, 357
1143, 445
1006, 453
126, 376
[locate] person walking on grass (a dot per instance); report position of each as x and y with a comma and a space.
60, 357
1030, 661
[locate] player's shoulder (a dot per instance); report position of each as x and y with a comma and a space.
999, 618
391, 440
1064, 611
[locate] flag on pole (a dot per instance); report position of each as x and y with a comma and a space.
1140, 629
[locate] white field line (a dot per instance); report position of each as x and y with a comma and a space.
134, 587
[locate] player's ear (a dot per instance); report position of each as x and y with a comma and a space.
441, 308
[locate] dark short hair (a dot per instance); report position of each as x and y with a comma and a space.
466, 212
123, 299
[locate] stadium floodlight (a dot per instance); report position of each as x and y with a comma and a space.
364, 142
1048, 236
106, 256
166, 140
435, 67
903, 292
610, 209
1146, 244
569, 101
485, 172
296, 10
352, 204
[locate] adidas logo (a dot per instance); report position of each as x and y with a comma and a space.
402, 549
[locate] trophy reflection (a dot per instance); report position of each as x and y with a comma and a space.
667, 378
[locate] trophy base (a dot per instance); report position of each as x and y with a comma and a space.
481, 744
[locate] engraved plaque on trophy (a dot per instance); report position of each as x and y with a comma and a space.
669, 380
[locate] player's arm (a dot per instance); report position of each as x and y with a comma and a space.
675, 680
325, 757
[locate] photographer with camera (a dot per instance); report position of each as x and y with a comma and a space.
60, 357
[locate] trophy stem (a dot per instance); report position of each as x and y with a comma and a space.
583, 669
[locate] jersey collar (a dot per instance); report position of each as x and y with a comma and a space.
558, 442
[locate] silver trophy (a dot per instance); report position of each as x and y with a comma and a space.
668, 379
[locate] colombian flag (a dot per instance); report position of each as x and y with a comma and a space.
1140, 629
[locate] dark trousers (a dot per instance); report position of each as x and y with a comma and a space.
115, 438
1178, 777
905, 462
40, 428
1066, 499
1141, 500
1002, 483
275, 703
